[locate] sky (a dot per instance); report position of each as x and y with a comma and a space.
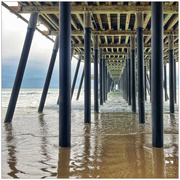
13, 31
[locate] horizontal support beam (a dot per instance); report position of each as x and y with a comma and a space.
79, 9
121, 45
112, 32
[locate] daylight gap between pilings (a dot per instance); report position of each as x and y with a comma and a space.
49, 74
80, 85
65, 74
21, 68
75, 75
140, 65
157, 73
87, 66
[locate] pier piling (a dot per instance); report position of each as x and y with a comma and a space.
101, 76
140, 65
96, 51
157, 73
65, 74
87, 67
171, 72
133, 73
49, 74
21, 68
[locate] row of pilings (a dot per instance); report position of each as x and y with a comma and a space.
127, 81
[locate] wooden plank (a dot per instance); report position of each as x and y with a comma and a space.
96, 9
99, 21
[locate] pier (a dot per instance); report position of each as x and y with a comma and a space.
130, 44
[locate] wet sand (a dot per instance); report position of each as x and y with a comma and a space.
114, 145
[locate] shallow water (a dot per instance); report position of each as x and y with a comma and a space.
114, 145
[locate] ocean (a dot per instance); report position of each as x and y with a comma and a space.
114, 145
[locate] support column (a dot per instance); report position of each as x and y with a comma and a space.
21, 67
150, 76
126, 79
49, 74
133, 73
101, 76
145, 91
80, 85
165, 81
72, 50
174, 80
104, 79
171, 72
129, 76
75, 75
106, 73
157, 73
65, 74
87, 67
140, 64
96, 50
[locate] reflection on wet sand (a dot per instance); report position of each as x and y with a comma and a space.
114, 154
12, 160
44, 149
114, 145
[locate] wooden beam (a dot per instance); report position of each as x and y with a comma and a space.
74, 23
166, 19
106, 40
118, 22
146, 20
116, 33
173, 22
95, 9
113, 39
49, 21
121, 45
99, 21
80, 20
78, 38
147, 39
99, 38
127, 26
127, 21
109, 21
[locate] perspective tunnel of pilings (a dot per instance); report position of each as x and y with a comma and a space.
135, 76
